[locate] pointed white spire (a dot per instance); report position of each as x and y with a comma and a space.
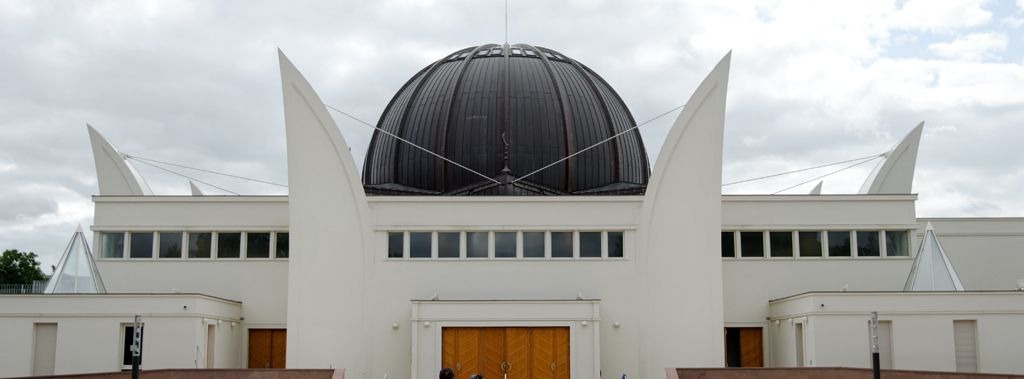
895, 173
817, 189
114, 174
195, 189
932, 270
76, 272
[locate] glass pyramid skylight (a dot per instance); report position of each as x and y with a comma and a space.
932, 270
76, 272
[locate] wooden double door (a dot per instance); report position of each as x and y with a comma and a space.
267, 348
521, 353
743, 347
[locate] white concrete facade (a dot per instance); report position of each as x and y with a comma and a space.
90, 331
346, 302
836, 333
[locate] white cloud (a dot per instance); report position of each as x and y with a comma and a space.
940, 15
972, 47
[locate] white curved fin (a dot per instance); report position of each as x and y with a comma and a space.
895, 173
196, 191
330, 233
114, 175
679, 240
817, 189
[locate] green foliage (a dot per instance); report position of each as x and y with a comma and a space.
19, 267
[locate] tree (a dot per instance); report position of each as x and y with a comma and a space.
19, 267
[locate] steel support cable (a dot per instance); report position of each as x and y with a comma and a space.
410, 143
182, 175
833, 172
138, 158
802, 170
617, 135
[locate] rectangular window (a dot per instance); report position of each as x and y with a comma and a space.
868, 244
752, 244
396, 244
112, 245
126, 349
282, 245
728, 245
504, 244
229, 245
199, 245
615, 246
839, 244
170, 245
448, 244
965, 345
142, 245
810, 244
533, 244
781, 244
476, 244
257, 245
896, 243
590, 244
561, 244
419, 245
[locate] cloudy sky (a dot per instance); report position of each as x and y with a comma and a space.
813, 82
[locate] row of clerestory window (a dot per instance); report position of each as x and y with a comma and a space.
560, 244
193, 245
815, 244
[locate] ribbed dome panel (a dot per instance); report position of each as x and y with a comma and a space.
490, 108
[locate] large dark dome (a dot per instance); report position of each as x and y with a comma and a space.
506, 112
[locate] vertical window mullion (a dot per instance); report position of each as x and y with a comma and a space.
156, 245
604, 245
854, 244
273, 245
796, 244
547, 244
243, 245
883, 250
519, 244
824, 244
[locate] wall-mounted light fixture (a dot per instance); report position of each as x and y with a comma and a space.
616, 324
426, 324
394, 326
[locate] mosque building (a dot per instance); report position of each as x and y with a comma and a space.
507, 222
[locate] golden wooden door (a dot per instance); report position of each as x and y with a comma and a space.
278, 347
561, 353
259, 348
521, 353
492, 362
549, 353
267, 348
751, 352
461, 350
517, 352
